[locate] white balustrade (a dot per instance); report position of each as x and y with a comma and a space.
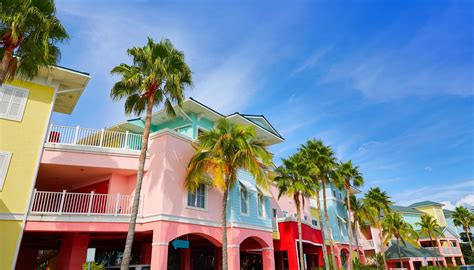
74, 203
94, 137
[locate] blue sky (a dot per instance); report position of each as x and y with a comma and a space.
388, 84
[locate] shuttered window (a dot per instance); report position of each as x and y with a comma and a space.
4, 162
12, 102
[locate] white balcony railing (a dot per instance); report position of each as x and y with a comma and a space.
72, 203
451, 251
368, 244
100, 138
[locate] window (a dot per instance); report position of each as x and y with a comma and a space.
285, 213
314, 222
4, 162
244, 200
198, 198
334, 193
261, 205
12, 102
305, 218
274, 212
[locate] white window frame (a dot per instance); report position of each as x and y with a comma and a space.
5, 165
247, 201
23, 103
196, 207
261, 206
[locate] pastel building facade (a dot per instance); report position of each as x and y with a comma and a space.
445, 248
338, 219
25, 110
85, 186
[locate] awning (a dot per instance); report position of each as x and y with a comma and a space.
265, 192
341, 218
249, 186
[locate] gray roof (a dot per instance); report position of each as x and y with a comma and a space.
408, 251
425, 203
404, 209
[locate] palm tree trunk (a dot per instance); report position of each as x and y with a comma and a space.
382, 247
224, 224
466, 230
399, 255
7, 58
349, 229
296, 197
138, 187
320, 220
326, 222
435, 251
356, 227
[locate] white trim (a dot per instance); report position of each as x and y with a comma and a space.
160, 244
76, 148
22, 104
32, 188
11, 216
5, 166
249, 226
267, 248
258, 126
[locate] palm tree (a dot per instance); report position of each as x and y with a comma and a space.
294, 179
320, 221
323, 158
362, 213
380, 201
394, 226
430, 227
157, 76
221, 152
347, 172
465, 219
29, 32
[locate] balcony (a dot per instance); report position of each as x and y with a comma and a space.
451, 251
82, 204
368, 244
79, 138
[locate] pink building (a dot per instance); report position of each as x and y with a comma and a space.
85, 187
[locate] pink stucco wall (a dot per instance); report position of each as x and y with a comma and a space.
163, 184
287, 204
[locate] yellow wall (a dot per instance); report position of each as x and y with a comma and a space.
436, 212
24, 140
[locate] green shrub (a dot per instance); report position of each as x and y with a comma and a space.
93, 266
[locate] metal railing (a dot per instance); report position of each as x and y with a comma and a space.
73, 203
100, 138
368, 243
451, 250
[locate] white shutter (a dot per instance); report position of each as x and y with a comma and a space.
4, 163
12, 102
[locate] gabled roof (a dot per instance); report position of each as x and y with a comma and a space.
426, 203
404, 209
407, 251
448, 213
265, 130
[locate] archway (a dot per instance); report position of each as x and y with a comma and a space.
344, 258
251, 254
194, 251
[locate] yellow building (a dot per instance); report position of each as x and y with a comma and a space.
25, 112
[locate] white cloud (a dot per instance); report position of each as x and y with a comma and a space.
428, 64
311, 60
466, 201
439, 193
428, 169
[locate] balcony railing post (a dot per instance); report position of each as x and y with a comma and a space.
102, 137
61, 205
76, 135
90, 203
125, 145
117, 199
33, 200
48, 136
